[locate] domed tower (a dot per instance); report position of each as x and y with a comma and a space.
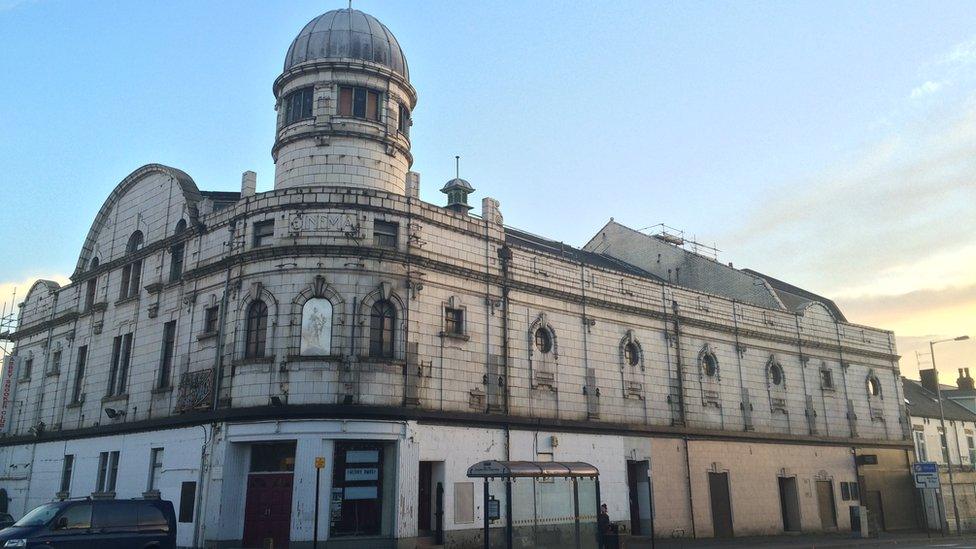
344, 102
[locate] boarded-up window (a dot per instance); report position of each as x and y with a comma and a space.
463, 502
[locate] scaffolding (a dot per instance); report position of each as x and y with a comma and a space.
677, 237
8, 325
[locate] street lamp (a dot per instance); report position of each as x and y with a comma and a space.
938, 391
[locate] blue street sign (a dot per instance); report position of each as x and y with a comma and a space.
925, 467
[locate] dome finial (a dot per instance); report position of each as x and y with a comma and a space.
457, 190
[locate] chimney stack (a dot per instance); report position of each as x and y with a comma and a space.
930, 379
413, 185
965, 383
249, 184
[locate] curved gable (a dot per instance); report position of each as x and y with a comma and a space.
38, 302
191, 195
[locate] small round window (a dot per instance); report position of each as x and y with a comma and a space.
874, 386
710, 365
631, 354
543, 340
776, 374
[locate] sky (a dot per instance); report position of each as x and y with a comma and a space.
828, 144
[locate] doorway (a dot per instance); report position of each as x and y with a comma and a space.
425, 477
789, 504
639, 495
875, 509
267, 504
825, 501
357, 489
718, 487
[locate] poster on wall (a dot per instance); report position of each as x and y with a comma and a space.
6, 386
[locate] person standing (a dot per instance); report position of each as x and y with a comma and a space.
603, 525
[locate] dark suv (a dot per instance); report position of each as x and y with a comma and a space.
95, 524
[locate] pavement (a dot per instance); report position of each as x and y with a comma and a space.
900, 541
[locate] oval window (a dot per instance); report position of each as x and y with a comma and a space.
776, 374
543, 340
631, 354
710, 364
874, 386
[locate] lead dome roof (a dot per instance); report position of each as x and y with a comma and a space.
347, 34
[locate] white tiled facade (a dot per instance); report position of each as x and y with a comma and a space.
488, 393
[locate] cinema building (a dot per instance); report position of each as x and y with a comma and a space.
211, 345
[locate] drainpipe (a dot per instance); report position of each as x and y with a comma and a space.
406, 312
221, 329
691, 497
677, 356
198, 499
505, 255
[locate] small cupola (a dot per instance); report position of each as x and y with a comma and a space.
457, 190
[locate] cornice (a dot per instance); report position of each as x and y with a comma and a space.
433, 417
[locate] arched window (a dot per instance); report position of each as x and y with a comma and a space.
775, 374
709, 364
132, 272
543, 340
256, 329
874, 386
382, 319
176, 252
135, 242
631, 354
91, 286
316, 327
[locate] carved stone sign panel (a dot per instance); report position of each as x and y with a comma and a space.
195, 391
323, 223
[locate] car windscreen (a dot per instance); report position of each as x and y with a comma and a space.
39, 516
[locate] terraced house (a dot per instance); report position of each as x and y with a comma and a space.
211, 345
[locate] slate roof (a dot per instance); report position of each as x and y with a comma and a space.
923, 403
797, 298
524, 239
682, 267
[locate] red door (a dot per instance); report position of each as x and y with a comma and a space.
267, 510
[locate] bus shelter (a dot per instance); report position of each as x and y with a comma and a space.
546, 503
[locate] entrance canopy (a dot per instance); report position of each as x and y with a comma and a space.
532, 469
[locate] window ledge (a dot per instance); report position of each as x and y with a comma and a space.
254, 360
162, 390
154, 288
382, 360
115, 398
54, 372
206, 335
23, 379
77, 403
129, 299
309, 358
173, 283
459, 337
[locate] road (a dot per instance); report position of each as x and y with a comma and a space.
903, 541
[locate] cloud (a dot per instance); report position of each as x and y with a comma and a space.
6, 5
889, 230
881, 221
928, 88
